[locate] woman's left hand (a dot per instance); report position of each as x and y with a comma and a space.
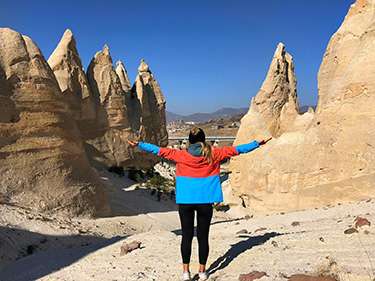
132, 143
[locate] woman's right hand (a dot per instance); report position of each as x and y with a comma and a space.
263, 142
132, 143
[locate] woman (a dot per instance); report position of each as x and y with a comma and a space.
197, 188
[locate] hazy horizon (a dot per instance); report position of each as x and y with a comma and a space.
205, 55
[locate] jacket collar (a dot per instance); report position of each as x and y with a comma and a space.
195, 149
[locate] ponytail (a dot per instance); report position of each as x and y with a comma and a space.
207, 152
197, 135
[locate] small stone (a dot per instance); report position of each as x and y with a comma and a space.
251, 276
350, 231
260, 229
359, 222
295, 223
128, 247
242, 231
303, 277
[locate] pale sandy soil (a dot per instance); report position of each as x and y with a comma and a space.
85, 249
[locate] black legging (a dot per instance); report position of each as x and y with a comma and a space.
204, 215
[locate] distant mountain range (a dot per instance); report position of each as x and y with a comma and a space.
225, 112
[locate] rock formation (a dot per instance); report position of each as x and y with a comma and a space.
152, 101
108, 111
67, 67
328, 156
42, 161
109, 143
123, 75
131, 99
274, 109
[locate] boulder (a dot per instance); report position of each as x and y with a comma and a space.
329, 157
42, 160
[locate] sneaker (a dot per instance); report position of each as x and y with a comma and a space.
203, 275
186, 276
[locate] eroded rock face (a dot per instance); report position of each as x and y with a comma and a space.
106, 87
67, 67
106, 108
152, 101
108, 144
329, 157
134, 110
123, 75
43, 165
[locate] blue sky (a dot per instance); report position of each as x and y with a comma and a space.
205, 54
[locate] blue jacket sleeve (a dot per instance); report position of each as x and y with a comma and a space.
245, 148
148, 147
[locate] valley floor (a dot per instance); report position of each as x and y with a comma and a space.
309, 242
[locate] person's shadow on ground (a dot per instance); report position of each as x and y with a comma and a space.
239, 248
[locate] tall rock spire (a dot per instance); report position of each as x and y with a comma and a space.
275, 106
123, 75
67, 67
106, 86
152, 102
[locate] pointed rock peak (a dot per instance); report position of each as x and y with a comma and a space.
32, 48
67, 40
143, 67
280, 50
281, 53
123, 75
105, 50
65, 48
68, 34
120, 64
120, 67
103, 56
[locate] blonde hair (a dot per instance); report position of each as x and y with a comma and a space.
197, 135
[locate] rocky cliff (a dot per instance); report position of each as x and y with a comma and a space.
43, 164
326, 157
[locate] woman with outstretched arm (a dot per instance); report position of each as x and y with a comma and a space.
198, 187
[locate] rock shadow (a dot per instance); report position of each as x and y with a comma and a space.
239, 248
27, 255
